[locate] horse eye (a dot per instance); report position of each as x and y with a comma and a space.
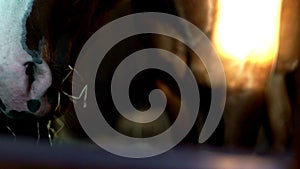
30, 67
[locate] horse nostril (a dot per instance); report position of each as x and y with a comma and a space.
30, 67
33, 105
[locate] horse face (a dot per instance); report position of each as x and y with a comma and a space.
24, 75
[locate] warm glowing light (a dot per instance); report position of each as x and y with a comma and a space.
248, 30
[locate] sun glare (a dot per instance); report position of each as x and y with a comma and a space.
248, 30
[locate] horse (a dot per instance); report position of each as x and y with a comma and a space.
42, 39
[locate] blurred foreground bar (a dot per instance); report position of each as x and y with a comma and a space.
27, 155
